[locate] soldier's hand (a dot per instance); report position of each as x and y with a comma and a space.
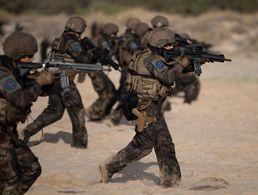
185, 61
45, 78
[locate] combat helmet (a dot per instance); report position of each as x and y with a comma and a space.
76, 24
141, 28
159, 21
161, 37
20, 44
131, 22
110, 28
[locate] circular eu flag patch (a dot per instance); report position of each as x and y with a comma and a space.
160, 66
10, 84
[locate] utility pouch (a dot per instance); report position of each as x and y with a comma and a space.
143, 120
128, 103
64, 82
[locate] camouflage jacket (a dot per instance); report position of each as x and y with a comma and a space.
16, 93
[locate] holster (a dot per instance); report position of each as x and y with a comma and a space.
143, 120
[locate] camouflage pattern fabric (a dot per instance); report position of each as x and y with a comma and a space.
55, 110
106, 96
19, 167
156, 136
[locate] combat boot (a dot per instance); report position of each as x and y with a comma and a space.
80, 142
104, 173
168, 178
169, 181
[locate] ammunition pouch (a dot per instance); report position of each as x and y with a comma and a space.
146, 88
64, 82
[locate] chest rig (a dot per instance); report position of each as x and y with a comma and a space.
140, 81
58, 51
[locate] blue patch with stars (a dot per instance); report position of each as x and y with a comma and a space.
10, 84
76, 47
159, 65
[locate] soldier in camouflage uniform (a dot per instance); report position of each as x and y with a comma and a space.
19, 167
128, 44
149, 79
101, 83
63, 97
182, 84
141, 29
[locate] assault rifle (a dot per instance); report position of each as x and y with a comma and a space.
26, 68
195, 53
101, 55
188, 42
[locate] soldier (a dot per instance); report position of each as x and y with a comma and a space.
150, 76
65, 95
159, 21
101, 83
128, 44
140, 30
190, 89
19, 167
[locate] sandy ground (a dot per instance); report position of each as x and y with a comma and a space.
216, 141
216, 137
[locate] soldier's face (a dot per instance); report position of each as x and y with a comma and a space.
169, 46
27, 59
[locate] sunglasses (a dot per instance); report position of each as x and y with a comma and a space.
30, 56
169, 45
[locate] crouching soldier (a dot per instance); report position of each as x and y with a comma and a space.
19, 167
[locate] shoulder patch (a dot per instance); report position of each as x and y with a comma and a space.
76, 46
10, 84
159, 65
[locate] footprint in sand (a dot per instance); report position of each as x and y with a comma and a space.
210, 184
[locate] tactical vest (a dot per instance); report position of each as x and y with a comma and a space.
58, 47
140, 81
58, 52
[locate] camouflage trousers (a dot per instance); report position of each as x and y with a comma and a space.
19, 167
106, 96
57, 104
156, 136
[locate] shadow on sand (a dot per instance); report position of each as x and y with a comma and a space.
54, 138
137, 171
